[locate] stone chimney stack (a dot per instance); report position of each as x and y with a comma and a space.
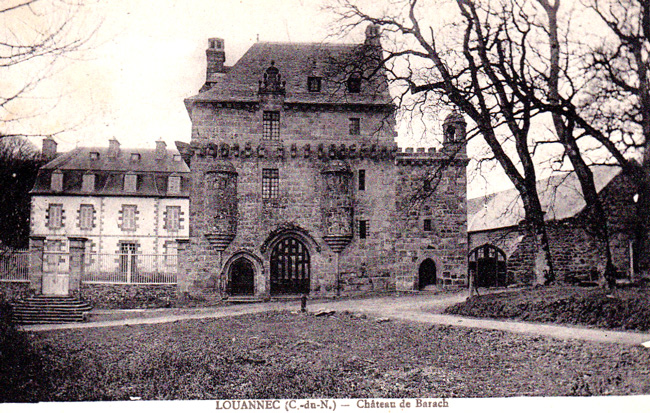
373, 35
161, 149
216, 57
113, 148
49, 148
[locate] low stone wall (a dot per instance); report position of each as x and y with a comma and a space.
14, 290
129, 295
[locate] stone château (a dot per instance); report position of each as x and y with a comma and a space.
298, 186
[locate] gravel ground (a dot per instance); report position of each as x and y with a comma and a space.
288, 355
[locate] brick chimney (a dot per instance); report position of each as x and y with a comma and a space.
49, 149
216, 57
161, 149
113, 148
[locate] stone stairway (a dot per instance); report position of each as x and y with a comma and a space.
50, 310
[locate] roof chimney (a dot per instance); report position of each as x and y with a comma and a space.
373, 37
113, 148
49, 149
216, 57
161, 149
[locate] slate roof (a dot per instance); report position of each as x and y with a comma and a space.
296, 62
109, 172
560, 195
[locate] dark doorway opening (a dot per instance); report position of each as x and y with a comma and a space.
242, 277
427, 274
487, 264
290, 267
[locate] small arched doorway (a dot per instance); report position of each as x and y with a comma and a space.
427, 274
487, 264
242, 277
290, 267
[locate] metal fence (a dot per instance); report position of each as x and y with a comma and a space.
130, 268
14, 265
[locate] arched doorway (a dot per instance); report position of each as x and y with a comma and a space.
289, 267
487, 264
427, 274
242, 277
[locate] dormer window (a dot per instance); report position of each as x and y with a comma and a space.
177, 158
313, 83
94, 156
354, 83
56, 184
130, 182
135, 157
88, 183
174, 185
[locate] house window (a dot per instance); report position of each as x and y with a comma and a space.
270, 184
86, 215
355, 126
88, 183
173, 218
55, 216
427, 224
354, 84
362, 179
128, 217
363, 229
174, 185
313, 84
56, 184
130, 182
271, 125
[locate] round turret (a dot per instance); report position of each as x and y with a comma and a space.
221, 206
453, 128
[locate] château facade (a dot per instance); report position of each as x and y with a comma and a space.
298, 186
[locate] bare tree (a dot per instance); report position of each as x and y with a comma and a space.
484, 75
35, 35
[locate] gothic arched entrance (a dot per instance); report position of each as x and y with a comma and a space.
427, 274
242, 277
290, 267
487, 264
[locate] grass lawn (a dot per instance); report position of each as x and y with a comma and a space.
625, 309
287, 355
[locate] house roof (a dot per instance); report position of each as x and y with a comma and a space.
296, 62
560, 196
152, 173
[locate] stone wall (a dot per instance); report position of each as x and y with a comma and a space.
128, 296
574, 249
12, 290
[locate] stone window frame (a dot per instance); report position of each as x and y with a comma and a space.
56, 181
126, 225
174, 184
427, 225
314, 84
362, 228
171, 223
271, 125
88, 182
54, 216
130, 182
86, 223
355, 126
270, 184
361, 179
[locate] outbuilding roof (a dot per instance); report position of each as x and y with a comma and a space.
560, 196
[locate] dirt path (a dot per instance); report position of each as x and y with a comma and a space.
422, 308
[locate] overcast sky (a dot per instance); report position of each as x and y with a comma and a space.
146, 56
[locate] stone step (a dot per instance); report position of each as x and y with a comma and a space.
49, 310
